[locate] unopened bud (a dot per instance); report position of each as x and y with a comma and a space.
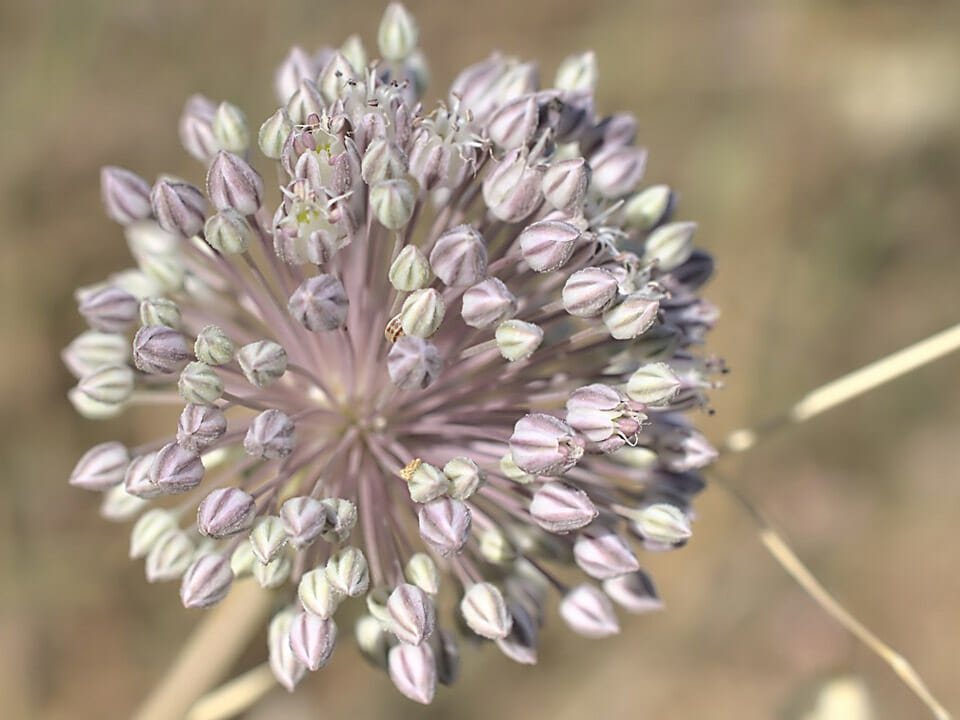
303, 518
544, 445
225, 511
632, 317
263, 362
617, 171
312, 639
445, 525
383, 160
206, 582
151, 526
93, 350
274, 133
353, 50
230, 128
178, 207
109, 385
577, 72
233, 183
271, 435
334, 76
485, 611
305, 101
565, 184
175, 469
109, 309
604, 555
515, 123
427, 483
520, 645
160, 350
413, 671
517, 340
126, 195
589, 612
422, 571
662, 523
495, 547
267, 538
465, 477
120, 506
422, 313
160, 311
274, 573
213, 347
410, 271
459, 256
286, 668
170, 557
634, 592
509, 468
412, 614
348, 573
560, 508
487, 303
136, 481
397, 34
392, 202
196, 128
320, 303
512, 190
341, 519
101, 467
654, 384
200, 384
317, 595
648, 208
413, 363
670, 245
228, 232
242, 561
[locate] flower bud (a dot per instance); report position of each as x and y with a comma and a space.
126, 195
206, 582
654, 384
296, 66
312, 639
267, 538
274, 573
377, 605
334, 76
160, 350
544, 445
178, 207
228, 232
170, 557
565, 184
286, 668
427, 483
225, 511
589, 292
167, 271
274, 133
230, 128
517, 340
397, 34
512, 190
617, 171
633, 316
200, 384
348, 573
136, 481
648, 208
485, 611
410, 271
353, 50
263, 362
662, 523
305, 101
101, 467
445, 525
577, 72
476, 86
422, 571
175, 469
317, 595
93, 350
413, 363
108, 385
320, 303
383, 160
160, 311
148, 530
373, 640
465, 477
604, 555
392, 202
213, 347
341, 519
670, 245
422, 313
634, 592
242, 561
446, 654
413, 671
119, 506
430, 161
459, 257
509, 468
588, 612
304, 518
520, 645
560, 508
412, 615
515, 123
487, 303
196, 128
233, 183
109, 309
271, 436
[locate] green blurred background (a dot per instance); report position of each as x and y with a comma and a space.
818, 146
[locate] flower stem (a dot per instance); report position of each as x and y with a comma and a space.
235, 696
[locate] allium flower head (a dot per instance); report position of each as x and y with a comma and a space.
455, 355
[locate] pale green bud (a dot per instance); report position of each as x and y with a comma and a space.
653, 384
422, 313
410, 271
670, 245
393, 202
517, 339
398, 33
427, 483
496, 548
383, 160
119, 506
228, 232
348, 573
93, 350
153, 525
242, 561
317, 595
92, 409
160, 311
167, 271
213, 346
662, 523
465, 476
170, 557
353, 50
648, 208
509, 468
230, 128
200, 384
577, 72
274, 573
422, 571
372, 639
267, 538
109, 386
274, 133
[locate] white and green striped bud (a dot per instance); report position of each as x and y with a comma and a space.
410, 271
213, 346
422, 313
517, 340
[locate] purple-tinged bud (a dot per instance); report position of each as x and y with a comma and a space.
633, 316
421, 571
93, 350
348, 573
334, 77
544, 445
303, 102
200, 426
410, 271
126, 195
392, 202
160, 311
312, 639
670, 245
170, 557
101, 467
320, 303
611, 132
160, 350
445, 525
178, 207
662, 523
303, 518
383, 160
137, 481
274, 133
589, 292
485, 611
228, 232
617, 171
230, 128
147, 531
654, 384
517, 340
175, 469
512, 190
398, 33
225, 511
604, 555
196, 128
589, 612
465, 477
286, 668
519, 79
565, 184
459, 257
487, 303
577, 72
515, 123
199, 384
233, 183
413, 671
475, 88
547, 245
427, 483
275, 573
268, 538
412, 614
206, 582
601, 414
648, 208
109, 309
694, 273
634, 592
560, 508
120, 506
413, 363
298, 65
317, 595
271, 435
263, 362
109, 385
430, 162
520, 645
422, 313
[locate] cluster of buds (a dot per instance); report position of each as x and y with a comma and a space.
457, 358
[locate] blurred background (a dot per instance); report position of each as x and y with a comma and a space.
818, 146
